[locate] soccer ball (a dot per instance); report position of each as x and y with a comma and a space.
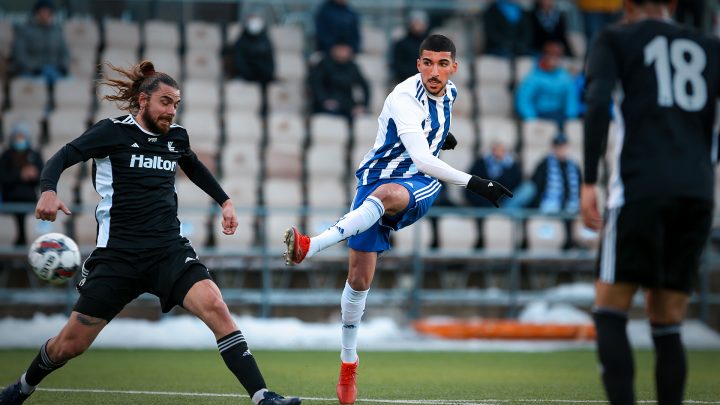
54, 257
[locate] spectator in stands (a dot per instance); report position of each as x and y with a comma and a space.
20, 168
335, 20
253, 55
548, 91
548, 24
597, 14
39, 48
497, 165
556, 182
404, 56
334, 81
508, 31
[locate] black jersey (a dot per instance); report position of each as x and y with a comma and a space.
134, 173
669, 82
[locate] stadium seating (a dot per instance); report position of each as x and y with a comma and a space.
241, 97
545, 235
166, 61
203, 35
159, 34
67, 124
82, 33
494, 100
200, 95
242, 128
457, 233
121, 34
492, 70
28, 94
287, 38
500, 129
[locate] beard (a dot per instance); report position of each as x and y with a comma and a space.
152, 124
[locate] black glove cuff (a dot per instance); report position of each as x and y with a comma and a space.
477, 185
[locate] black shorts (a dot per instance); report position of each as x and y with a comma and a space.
111, 278
655, 243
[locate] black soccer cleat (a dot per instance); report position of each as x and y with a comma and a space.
271, 398
12, 395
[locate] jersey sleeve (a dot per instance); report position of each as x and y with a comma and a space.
97, 141
602, 74
407, 112
199, 174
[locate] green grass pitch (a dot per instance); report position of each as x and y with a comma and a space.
172, 377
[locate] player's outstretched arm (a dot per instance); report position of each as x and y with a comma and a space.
48, 205
229, 221
426, 162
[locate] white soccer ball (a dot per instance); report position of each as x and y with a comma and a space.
54, 257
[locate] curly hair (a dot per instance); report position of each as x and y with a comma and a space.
142, 79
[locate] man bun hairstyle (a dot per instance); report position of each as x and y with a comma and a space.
140, 78
438, 43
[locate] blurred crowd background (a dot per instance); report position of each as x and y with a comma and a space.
281, 99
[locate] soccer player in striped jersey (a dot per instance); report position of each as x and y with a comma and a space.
139, 245
397, 182
659, 207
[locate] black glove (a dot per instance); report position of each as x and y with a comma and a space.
450, 142
492, 190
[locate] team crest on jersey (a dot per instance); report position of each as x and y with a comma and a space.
171, 148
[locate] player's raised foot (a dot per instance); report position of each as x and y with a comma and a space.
271, 398
296, 246
12, 395
346, 387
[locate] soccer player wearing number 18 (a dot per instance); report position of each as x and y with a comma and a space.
660, 192
139, 246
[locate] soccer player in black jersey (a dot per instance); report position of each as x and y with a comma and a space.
139, 245
660, 192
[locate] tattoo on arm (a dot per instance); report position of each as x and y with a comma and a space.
88, 321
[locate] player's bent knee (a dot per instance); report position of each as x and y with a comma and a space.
359, 282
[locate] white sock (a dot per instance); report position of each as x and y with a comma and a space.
25, 387
352, 306
259, 396
354, 222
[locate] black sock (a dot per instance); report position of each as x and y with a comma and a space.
616, 361
241, 362
670, 363
40, 367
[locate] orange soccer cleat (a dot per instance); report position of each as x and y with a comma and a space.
297, 246
346, 387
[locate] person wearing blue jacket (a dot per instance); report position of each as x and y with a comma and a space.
548, 91
335, 19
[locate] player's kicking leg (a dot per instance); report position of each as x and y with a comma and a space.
300, 246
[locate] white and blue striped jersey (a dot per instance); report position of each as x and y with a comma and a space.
408, 108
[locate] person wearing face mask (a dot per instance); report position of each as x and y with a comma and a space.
20, 168
253, 56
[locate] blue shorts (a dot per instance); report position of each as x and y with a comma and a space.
423, 192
